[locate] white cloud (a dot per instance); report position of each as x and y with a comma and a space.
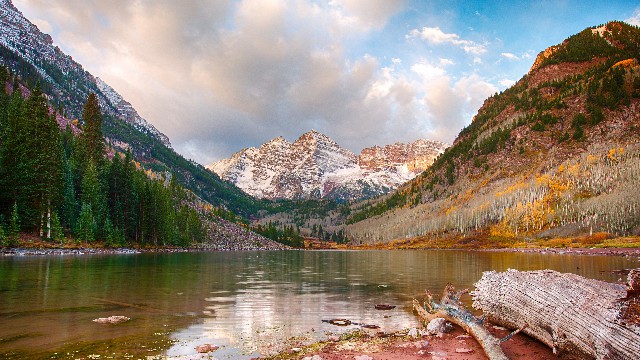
219, 76
426, 70
435, 36
509, 56
446, 62
635, 18
449, 104
528, 54
368, 13
506, 82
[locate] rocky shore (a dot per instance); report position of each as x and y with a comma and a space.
628, 252
414, 344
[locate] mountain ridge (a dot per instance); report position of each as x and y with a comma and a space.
22, 37
315, 166
31, 54
556, 154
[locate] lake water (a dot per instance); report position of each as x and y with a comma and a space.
246, 302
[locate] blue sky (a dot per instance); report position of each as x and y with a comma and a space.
218, 76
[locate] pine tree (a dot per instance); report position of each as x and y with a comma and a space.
91, 139
57, 232
86, 228
14, 225
93, 195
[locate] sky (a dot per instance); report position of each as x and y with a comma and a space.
219, 76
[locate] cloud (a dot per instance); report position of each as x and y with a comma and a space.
635, 18
371, 14
435, 36
446, 62
450, 104
220, 76
506, 82
509, 56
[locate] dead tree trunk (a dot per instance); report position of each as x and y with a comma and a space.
571, 314
450, 309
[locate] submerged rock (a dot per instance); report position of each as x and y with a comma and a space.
116, 319
205, 348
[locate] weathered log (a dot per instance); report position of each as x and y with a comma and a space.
578, 317
453, 311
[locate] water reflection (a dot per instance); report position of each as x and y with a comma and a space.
247, 302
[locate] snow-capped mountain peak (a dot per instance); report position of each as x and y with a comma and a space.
315, 166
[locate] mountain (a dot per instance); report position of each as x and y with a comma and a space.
557, 154
314, 166
31, 55
19, 37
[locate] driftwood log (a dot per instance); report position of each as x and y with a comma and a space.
453, 311
575, 316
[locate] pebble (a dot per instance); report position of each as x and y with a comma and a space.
421, 344
205, 348
463, 350
314, 357
437, 326
363, 357
413, 332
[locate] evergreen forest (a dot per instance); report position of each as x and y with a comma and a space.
65, 184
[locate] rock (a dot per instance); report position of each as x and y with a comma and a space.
205, 348
116, 319
413, 332
314, 357
384, 307
460, 337
463, 350
437, 326
295, 350
438, 355
338, 322
421, 344
369, 326
334, 338
363, 357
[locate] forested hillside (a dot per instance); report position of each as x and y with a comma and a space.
31, 55
61, 183
556, 154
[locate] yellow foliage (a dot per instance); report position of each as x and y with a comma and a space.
501, 229
517, 186
561, 169
573, 170
612, 155
591, 159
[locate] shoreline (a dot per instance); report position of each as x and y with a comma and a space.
85, 250
454, 344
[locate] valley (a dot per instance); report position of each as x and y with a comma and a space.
342, 176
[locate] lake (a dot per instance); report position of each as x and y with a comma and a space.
248, 303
